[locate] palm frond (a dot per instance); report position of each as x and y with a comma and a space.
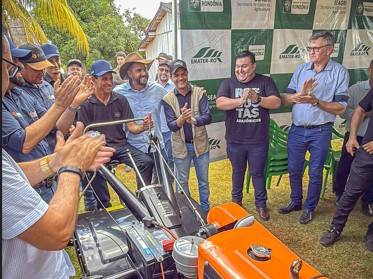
56, 13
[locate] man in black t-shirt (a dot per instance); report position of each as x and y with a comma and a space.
361, 175
247, 99
107, 106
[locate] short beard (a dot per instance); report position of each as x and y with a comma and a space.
139, 82
18, 80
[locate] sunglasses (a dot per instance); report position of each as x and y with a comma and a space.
14, 68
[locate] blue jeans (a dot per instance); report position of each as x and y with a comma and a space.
90, 201
254, 155
201, 164
317, 142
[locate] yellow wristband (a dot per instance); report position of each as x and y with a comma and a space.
44, 165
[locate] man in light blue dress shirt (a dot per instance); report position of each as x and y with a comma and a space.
144, 97
318, 91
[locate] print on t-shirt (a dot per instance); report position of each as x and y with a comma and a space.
248, 112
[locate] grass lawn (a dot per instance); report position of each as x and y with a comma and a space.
348, 258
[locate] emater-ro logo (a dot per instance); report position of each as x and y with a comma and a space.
206, 55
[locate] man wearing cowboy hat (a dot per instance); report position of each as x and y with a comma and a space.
144, 97
104, 106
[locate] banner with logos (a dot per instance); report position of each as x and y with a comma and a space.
212, 32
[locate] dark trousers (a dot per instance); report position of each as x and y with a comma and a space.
143, 162
360, 179
343, 172
255, 155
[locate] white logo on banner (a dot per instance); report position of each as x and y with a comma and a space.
289, 51
365, 9
207, 53
206, 6
262, 14
259, 51
300, 7
357, 52
332, 14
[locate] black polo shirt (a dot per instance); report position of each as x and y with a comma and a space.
94, 111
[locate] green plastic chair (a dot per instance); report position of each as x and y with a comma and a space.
331, 163
277, 159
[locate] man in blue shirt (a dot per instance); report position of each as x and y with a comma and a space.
318, 91
25, 123
163, 74
35, 85
144, 97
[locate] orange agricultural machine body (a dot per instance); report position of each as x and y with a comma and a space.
238, 252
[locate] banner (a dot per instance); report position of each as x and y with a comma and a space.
212, 32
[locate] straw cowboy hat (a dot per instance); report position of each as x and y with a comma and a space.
133, 57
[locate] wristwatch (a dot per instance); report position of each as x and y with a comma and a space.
317, 103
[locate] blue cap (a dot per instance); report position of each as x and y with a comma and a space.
101, 67
50, 50
23, 54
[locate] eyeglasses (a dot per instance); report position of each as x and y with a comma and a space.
163, 70
14, 68
315, 49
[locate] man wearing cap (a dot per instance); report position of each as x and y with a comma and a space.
35, 85
144, 97
187, 113
119, 58
163, 74
105, 106
25, 124
53, 73
74, 67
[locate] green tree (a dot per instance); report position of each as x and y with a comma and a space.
55, 13
108, 31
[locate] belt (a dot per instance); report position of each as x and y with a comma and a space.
189, 141
45, 183
315, 126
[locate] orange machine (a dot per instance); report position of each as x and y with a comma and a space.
248, 250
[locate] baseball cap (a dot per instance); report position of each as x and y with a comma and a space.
164, 56
74, 61
37, 61
176, 64
163, 62
50, 50
18, 53
101, 67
